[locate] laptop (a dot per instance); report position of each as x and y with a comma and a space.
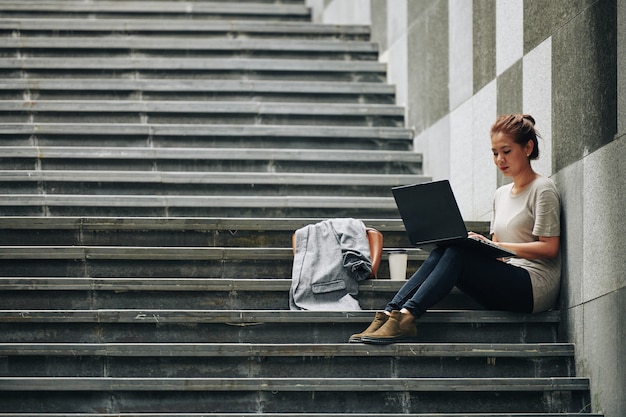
431, 216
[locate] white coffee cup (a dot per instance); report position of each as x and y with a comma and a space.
397, 265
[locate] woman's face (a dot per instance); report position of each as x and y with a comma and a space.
511, 158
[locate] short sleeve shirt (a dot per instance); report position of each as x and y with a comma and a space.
524, 217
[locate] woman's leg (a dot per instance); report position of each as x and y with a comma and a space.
498, 286
417, 279
427, 286
440, 281
495, 284
405, 293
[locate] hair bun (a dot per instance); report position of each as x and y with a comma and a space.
529, 118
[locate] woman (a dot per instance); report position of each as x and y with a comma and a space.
525, 219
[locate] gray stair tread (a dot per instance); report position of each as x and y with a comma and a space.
539, 414
151, 316
292, 384
212, 130
196, 64
125, 252
171, 284
304, 414
173, 25
203, 107
300, 350
162, 201
303, 155
194, 223
160, 6
196, 43
203, 177
186, 85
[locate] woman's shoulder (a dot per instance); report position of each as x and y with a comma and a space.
544, 189
542, 183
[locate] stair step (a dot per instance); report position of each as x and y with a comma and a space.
113, 44
171, 9
209, 224
171, 284
262, 326
243, 360
92, 111
192, 183
331, 414
274, 414
202, 107
409, 350
184, 231
189, 293
185, 89
208, 66
202, 262
177, 206
294, 384
215, 135
246, 317
197, 25
230, 226
305, 394
210, 159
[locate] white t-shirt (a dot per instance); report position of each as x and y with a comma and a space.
524, 217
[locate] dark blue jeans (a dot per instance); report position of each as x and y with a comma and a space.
494, 284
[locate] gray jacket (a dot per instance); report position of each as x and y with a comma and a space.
331, 257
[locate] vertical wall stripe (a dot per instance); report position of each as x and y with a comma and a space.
537, 98
510, 89
461, 52
509, 33
397, 55
485, 178
483, 42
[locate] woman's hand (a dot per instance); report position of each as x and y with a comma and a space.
474, 235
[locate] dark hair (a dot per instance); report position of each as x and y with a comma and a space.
521, 127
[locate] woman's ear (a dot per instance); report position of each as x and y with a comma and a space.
529, 147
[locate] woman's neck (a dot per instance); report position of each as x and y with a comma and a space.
521, 181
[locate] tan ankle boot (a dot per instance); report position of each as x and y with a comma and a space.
379, 319
399, 327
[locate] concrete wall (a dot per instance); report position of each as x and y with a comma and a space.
457, 64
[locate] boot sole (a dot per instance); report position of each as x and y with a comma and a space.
385, 341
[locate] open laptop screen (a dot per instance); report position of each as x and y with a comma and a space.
429, 212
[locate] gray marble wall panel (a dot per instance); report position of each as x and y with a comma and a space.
605, 352
461, 52
378, 13
584, 76
510, 92
543, 18
428, 97
621, 69
594, 284
484, 41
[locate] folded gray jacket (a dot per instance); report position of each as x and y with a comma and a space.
331, 257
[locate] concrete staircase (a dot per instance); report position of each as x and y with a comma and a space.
156, 157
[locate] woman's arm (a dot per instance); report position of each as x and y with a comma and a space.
545, 247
